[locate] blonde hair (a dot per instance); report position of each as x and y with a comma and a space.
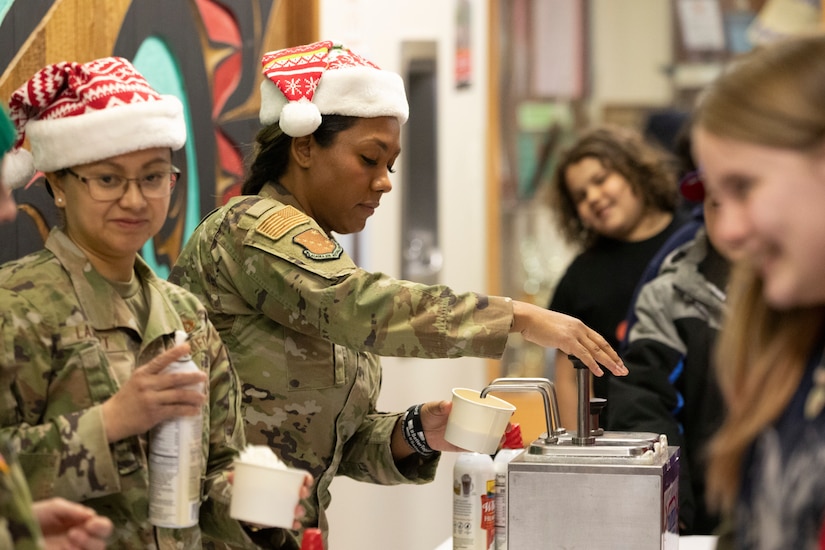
760, 357
774, 96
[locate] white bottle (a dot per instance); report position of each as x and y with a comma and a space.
175, 458
474, 504
503, 457
512, 447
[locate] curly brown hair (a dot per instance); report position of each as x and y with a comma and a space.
650, 170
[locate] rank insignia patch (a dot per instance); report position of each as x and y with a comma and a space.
278, 224
317, 246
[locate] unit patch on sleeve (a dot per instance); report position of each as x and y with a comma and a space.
278, 224
317, 246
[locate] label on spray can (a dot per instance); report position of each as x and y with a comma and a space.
175, 449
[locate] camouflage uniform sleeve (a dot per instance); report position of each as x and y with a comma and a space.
55, 450
326, 295
368, 457
408, 319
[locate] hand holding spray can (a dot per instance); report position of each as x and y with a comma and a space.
175, 457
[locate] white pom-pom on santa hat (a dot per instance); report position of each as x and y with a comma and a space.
305, 82
18, 168
299, 118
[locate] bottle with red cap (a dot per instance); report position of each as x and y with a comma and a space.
312, 539
512, 447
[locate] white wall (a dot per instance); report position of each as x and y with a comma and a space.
626, 69
365, 516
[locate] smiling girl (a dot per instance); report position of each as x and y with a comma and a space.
759, 138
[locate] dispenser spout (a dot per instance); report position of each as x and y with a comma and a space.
548, 392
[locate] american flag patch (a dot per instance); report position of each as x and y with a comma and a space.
278, 224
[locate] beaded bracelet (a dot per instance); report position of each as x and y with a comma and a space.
413, 431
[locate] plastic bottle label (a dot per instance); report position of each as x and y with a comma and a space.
474, 506
500, 465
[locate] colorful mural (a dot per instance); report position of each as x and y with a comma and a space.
205, 52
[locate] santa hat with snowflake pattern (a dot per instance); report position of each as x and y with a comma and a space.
77, 113
325, 78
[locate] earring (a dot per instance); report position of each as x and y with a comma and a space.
59, 200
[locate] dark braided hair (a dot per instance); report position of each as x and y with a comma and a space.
271, 153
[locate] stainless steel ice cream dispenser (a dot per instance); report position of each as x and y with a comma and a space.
600, 491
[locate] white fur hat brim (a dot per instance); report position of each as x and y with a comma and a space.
364, 92
97, 135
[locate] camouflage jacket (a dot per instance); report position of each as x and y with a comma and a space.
64, 330
304, 327
18, 526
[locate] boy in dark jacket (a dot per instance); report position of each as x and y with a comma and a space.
671, 387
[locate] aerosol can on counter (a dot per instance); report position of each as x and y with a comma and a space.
175, 456
513, 446
473, 502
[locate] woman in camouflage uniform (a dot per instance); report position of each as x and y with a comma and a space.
90, 326
303, 324
55, 522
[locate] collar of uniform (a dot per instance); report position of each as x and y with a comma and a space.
277, 192
163, 318
102, 305
100, 300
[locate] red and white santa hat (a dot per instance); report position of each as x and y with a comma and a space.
77, 113
325, 78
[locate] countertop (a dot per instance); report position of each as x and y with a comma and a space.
685, 543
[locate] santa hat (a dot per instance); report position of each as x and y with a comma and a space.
75, 113
324, 78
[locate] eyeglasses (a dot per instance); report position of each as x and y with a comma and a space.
111, 187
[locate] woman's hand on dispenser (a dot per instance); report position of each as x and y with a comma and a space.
151, 396
552, 329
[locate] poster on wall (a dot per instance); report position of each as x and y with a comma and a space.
463, 51
701, 24
557, 58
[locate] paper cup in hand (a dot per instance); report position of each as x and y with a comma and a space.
265, 494
477, 423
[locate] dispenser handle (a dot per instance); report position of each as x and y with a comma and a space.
583, 374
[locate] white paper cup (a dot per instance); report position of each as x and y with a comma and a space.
477, 424
264, 495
